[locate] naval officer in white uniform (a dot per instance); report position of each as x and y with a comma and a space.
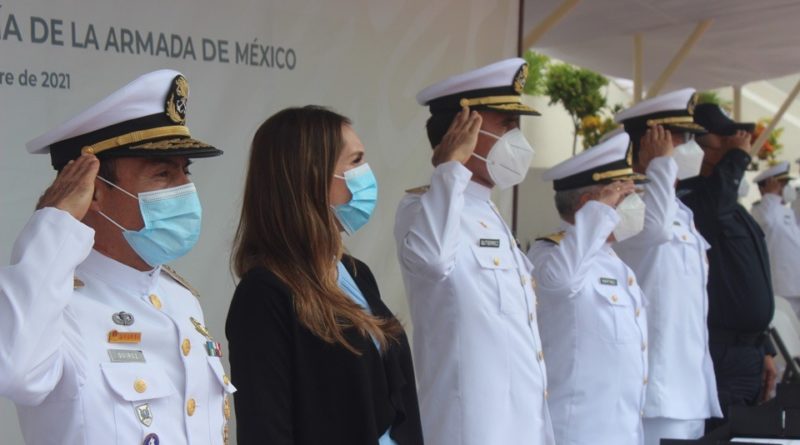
778, 222
669, 258
477, 354
100, 342
591, 313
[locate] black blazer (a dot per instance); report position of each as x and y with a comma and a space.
294, 388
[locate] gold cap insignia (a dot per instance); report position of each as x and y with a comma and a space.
522, 76
692, 102
629, 155
177, 99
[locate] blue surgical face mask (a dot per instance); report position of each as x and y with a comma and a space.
171, 218
364, 188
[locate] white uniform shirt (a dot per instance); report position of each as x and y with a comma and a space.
669, 258
71, 384
594, 332
783, 243
477, 353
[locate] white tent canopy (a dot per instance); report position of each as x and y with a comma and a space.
746, 41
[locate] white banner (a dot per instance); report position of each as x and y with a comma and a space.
244, 60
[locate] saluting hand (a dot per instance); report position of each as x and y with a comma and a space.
740, 140
657, 141
460, 140
612, 194
73, 189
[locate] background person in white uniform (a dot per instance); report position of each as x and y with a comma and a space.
477, 352
669, 258
778, 222
591, 315
101, 343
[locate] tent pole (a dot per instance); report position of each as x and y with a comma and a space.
679, 57
637, 68
549, 22
786, 103
737, 103
521, 53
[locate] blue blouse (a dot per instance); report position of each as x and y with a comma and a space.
349, 287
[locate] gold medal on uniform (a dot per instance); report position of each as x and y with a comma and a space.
116, 336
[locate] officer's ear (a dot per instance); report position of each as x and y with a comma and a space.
98, 194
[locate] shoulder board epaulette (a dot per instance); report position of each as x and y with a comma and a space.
77, 283
554, 238
182, 281
418, 190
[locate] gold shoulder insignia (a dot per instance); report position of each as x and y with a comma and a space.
554, 238
182, 281
418, 190
77, 283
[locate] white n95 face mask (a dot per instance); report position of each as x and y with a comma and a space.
509, 159
788, 193
631, 214
689, 157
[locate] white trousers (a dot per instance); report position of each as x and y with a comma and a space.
657, 428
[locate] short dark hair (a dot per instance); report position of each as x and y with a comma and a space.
437, 126
108, 169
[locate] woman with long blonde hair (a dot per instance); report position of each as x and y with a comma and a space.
316, 356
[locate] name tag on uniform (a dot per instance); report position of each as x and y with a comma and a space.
125, 356
124, 337
608, 281
489, 242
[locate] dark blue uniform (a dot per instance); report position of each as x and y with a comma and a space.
741, 302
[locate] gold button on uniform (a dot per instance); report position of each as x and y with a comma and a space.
630, 281
226, 380
546, 394
523, 280
496, 261
644, 381
638, 311
540, 356
155, 301
614, 298
683, 237
139, 386
186, 346
191, 405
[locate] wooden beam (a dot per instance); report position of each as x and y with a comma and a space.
637, 68
765, 134
549, 22
679, 57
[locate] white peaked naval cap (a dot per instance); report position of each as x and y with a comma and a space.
145, 118
604, 163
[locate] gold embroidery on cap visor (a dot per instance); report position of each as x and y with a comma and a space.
134, 137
